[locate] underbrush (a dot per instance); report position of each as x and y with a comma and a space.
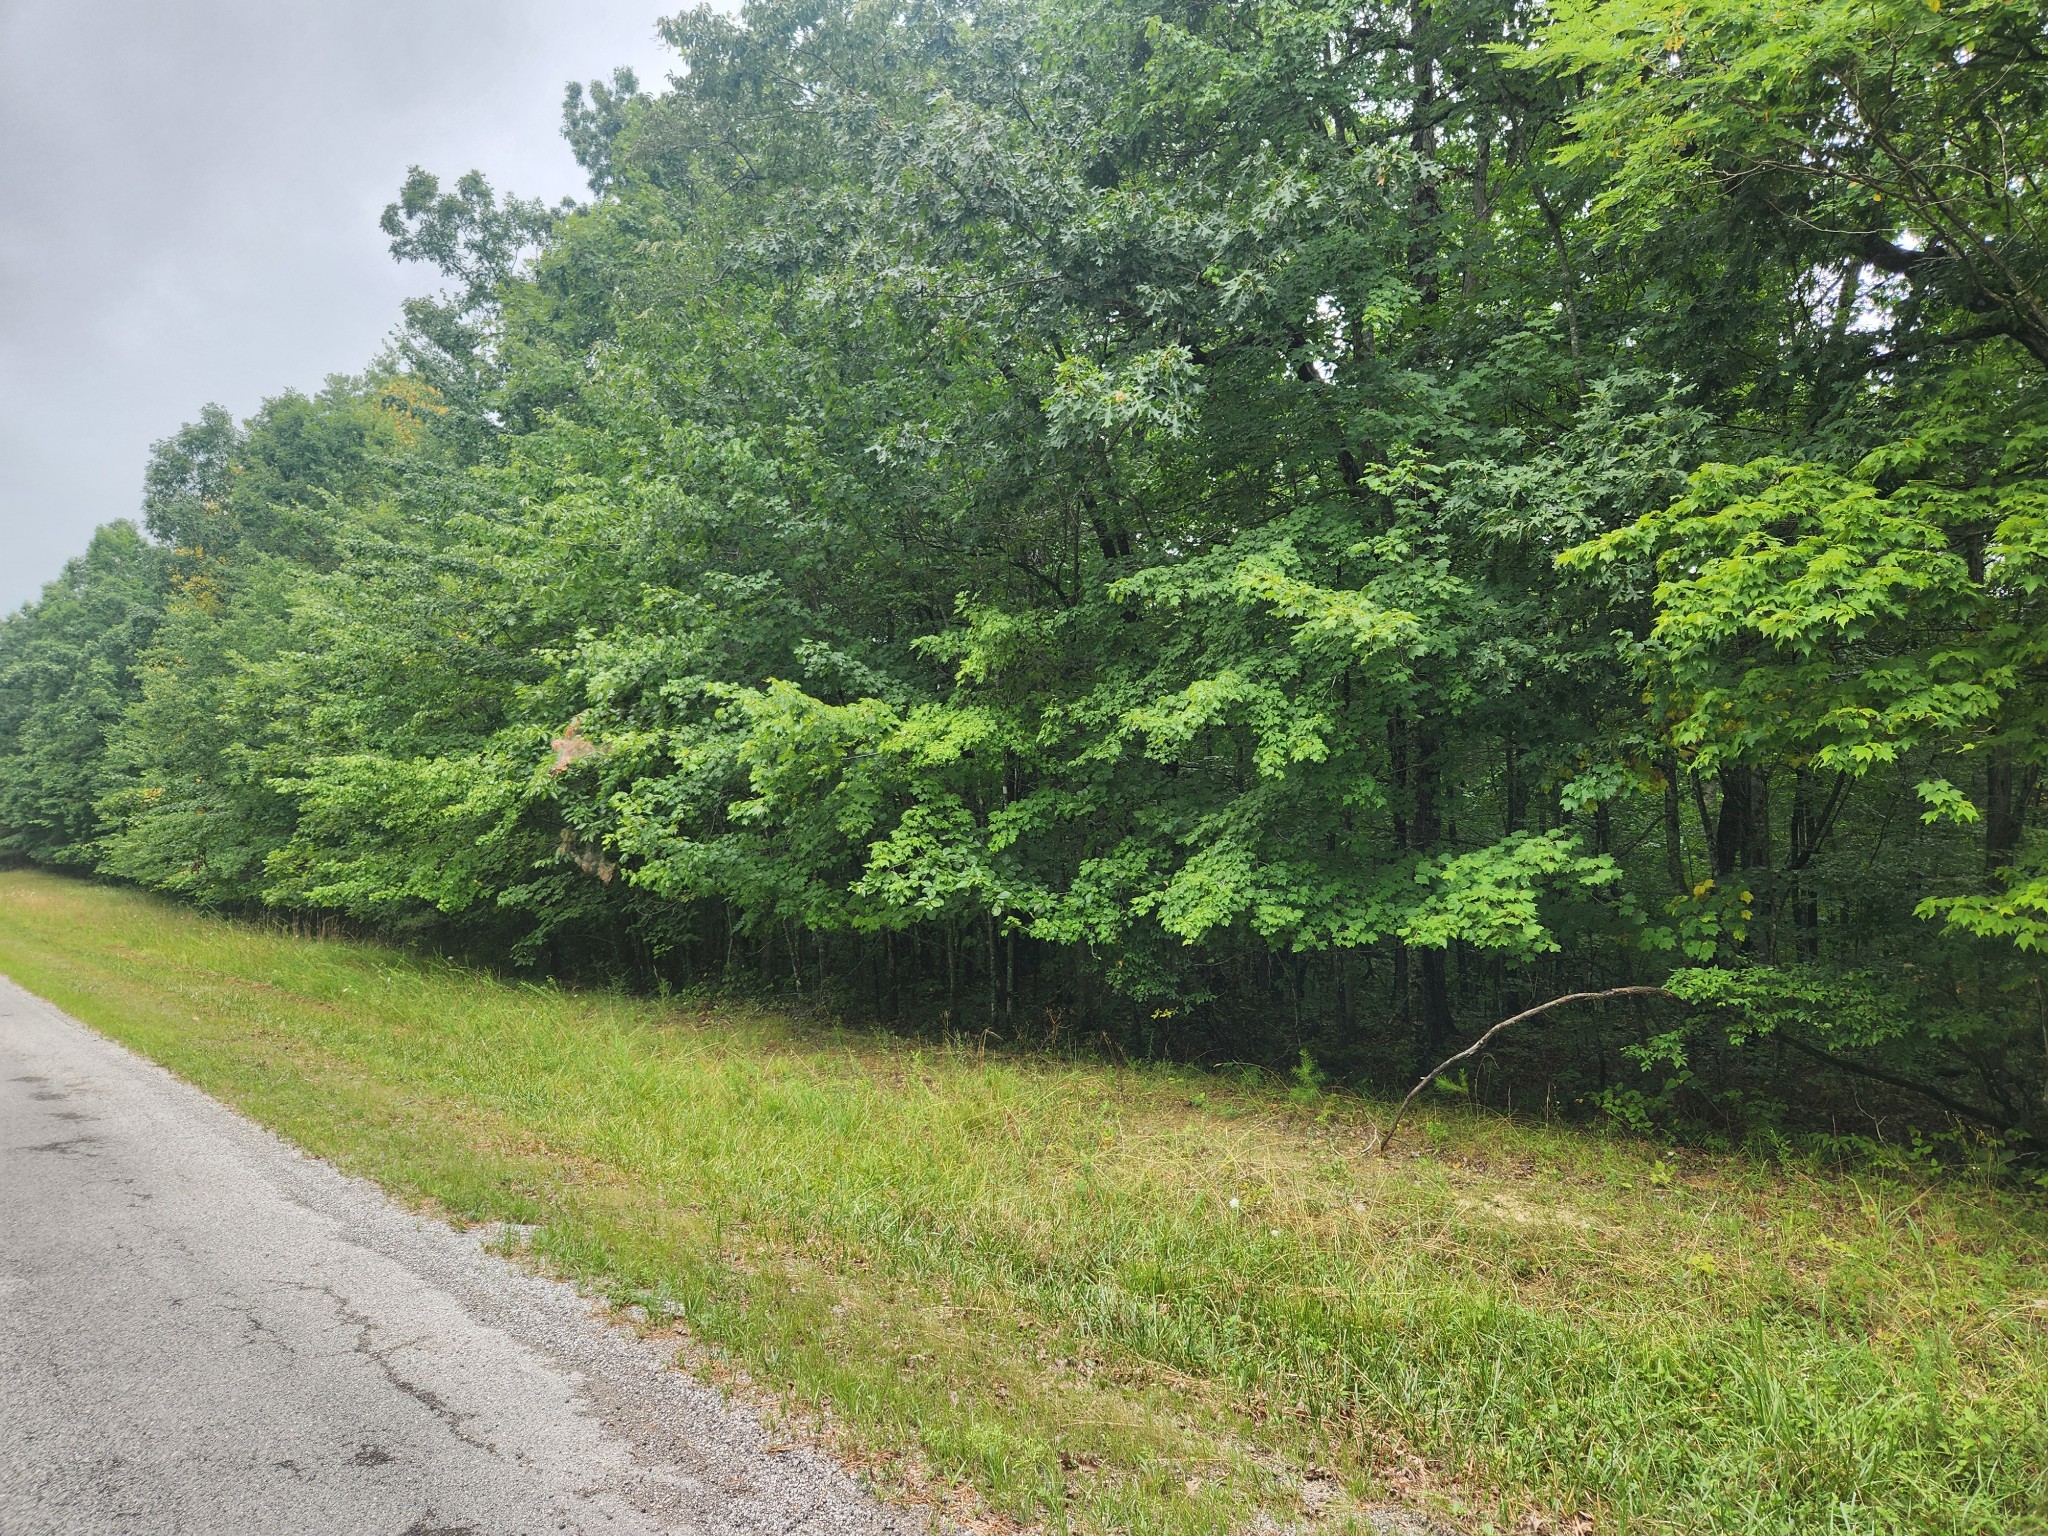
1094, 1297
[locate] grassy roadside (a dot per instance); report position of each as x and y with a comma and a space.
1105, 1299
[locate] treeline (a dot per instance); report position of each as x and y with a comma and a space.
1225, 530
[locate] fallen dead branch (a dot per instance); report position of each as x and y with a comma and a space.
1386, 1136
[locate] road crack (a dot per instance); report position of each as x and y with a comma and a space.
366, 1346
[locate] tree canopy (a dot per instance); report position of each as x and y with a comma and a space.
1224, 531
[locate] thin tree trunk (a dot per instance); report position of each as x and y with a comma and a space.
1426, 831
1482, 206
1674, 832
2004, 812
1425, 208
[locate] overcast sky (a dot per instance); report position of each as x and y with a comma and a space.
189, 192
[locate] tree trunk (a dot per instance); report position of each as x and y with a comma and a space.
2004, 809
1674, 832
1424, 208
1425, 832
1482, 205
1735, 825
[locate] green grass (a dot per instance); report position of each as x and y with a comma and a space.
1116, 1299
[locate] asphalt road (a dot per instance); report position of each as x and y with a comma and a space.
204, 1331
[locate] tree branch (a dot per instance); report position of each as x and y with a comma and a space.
1878, 1074
1380, 1145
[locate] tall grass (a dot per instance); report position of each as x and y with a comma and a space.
1122, 1299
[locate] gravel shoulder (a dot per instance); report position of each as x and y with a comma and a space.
204, 1330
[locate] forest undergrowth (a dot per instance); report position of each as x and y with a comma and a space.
1077, 1295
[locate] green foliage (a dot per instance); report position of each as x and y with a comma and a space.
593, 128
1844, 1007
1231, 532
68, 671
1907, 133
188, 810
466, 231
1853, 619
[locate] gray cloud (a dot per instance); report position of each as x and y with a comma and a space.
189, 192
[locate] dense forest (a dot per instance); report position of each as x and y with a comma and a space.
1260, 532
